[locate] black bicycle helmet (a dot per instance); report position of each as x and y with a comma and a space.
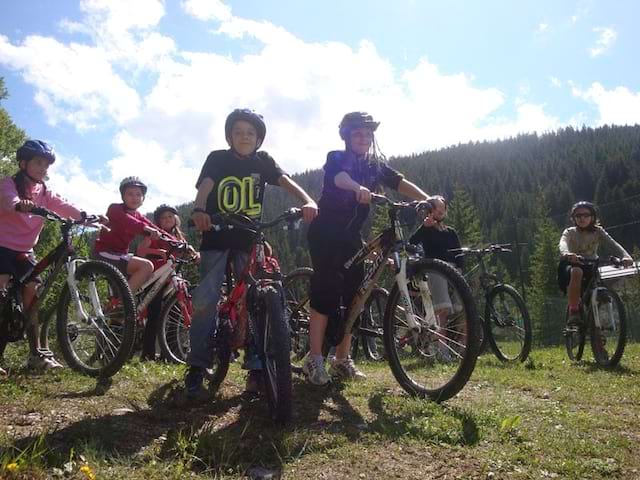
35, 148
160, 210
247, 115
356, 120
132, 182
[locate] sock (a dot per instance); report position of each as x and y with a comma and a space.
318, 358
574, 308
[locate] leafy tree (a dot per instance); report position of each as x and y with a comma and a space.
11, 137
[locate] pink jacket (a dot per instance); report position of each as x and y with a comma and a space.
20, 231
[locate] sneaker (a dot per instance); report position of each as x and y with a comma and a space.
43, 361
599, 346
345, 369
254, 381
314, 370
574, 320
444, 355
194, 383
3, 372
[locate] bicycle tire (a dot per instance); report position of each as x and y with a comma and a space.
111, 336
274, 349
574, 340
173, 334
461, 336
609, 331
296, 289
373, 347
508, 326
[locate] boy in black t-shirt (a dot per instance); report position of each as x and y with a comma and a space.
334, 236
231, 181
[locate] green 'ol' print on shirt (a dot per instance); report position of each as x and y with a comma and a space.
237, 195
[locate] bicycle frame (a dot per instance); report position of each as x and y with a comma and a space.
390, 242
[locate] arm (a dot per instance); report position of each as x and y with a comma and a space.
309, 207
145, 249
199, 216
344, 181
615, 247
61, 206
411, 190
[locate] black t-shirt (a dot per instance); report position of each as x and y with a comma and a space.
436, 243
238, 187
339, 208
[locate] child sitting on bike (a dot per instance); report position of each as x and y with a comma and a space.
19, 232
231, 181
437, 240
582, 240
125, 222
334, 236
165, 217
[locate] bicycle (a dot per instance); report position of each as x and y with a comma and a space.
430, 357
259, 287
94, 339
368, 329
602, 317
506, 323
176, 312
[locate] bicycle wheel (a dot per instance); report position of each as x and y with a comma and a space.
608, 341
275, 349
437, 360
96, 337
173, 334
574, 340
373, 321
296, 290
508, 326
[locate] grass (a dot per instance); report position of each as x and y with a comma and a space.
547, 418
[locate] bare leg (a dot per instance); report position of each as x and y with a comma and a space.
575, 284
139, 270
317, 328
32, 327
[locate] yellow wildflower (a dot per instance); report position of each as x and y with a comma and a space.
86, 469
12, 467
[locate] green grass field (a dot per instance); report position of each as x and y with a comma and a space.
547, 418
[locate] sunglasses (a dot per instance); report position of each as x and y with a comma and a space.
582, 215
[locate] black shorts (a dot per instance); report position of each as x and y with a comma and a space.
564, 275
17, 264
330, 281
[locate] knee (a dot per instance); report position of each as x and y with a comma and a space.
576, 273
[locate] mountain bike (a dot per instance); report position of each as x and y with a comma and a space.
506, 323
602, 317
175, 315
432, 352
368, 331
259, 287
94, 339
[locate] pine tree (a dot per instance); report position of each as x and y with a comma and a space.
463, 216
547, 316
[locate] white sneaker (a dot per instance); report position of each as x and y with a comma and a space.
3, 372
43, 361
345, 369
444, 355
314, 370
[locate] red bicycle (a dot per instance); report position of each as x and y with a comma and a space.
259, 289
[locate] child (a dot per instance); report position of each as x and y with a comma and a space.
166, 218
125, 222
582, 239
231, 181
437, 239
19, 232
334, 236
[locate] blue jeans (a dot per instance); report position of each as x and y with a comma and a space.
204, 322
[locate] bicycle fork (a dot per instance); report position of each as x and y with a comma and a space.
596, 310
425, 295
72, 266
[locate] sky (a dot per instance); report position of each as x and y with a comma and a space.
143, 87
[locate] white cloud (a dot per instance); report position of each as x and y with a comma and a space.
303, 89
555, 81
618, 106
542, 28
606, 38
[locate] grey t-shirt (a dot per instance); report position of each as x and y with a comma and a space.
586, 243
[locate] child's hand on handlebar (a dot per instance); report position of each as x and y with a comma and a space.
25, 206
363, 195
572, 258
627, 262
152, 232
202, 221
309, 211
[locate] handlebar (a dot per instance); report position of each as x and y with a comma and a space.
92, 220
378, 199
615, 261
226, 221
489, 250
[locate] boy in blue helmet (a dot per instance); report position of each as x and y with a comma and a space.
231, 181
